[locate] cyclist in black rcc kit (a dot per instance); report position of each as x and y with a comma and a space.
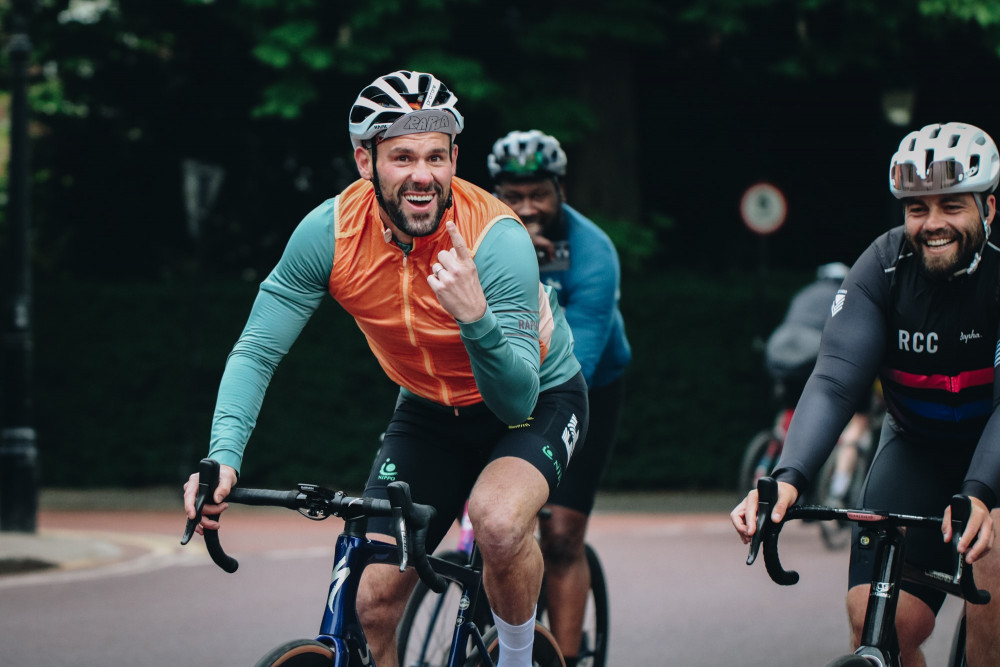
920, 309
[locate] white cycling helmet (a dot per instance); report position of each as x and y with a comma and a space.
944, 158
401, 103
528, 154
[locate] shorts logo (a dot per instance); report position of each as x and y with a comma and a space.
552, 457
569, 436
524, 425
387, 472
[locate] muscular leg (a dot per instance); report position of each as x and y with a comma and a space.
982, 645
567, 574
503, 507
914, 623
382, 597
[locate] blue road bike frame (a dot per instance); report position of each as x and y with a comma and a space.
340, 629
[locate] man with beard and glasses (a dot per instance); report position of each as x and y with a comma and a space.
919, 310
442, 279
578, 260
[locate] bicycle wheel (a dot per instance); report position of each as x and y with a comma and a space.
544, 650
759, 459
298, 653
851, 661
424, 634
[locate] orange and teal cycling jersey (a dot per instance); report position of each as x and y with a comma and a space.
521, 345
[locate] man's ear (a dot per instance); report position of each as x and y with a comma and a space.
991, 208
363, 158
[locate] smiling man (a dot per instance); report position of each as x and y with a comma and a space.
920, 310
442, 279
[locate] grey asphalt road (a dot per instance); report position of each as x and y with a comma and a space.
680, 591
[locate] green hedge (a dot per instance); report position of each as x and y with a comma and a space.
126, 374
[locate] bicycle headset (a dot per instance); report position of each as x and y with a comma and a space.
401, 103
948, 158
526, 156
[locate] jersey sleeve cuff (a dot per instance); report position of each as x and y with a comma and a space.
480, 328
793, 477
981, 491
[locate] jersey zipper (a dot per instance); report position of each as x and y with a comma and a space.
411, 332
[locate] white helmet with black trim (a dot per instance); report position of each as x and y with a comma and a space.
531, 154
404, 102
946, 158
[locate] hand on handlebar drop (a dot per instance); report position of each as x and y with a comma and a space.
977, 539
227, 480
744, 515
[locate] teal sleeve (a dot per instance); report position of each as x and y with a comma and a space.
503, 344
286, 300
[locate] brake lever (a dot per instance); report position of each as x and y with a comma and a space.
767, 497
208, 479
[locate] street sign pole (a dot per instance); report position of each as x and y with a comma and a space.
18, 453
763, 208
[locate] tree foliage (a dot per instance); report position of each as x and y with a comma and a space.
123, 92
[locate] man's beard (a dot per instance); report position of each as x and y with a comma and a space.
421, 224
969, 243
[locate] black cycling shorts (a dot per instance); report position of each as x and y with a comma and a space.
579, 487
440, 454
912, 478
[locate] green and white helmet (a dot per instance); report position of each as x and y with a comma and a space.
401, 103
944, 158
525, 155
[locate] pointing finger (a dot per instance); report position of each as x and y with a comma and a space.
456, 239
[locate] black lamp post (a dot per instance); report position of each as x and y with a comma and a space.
18, 454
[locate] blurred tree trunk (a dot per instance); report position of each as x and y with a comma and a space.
604, 172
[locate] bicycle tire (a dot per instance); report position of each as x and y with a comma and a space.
851, 661
752, 456
424, 634
298, 653
544, 651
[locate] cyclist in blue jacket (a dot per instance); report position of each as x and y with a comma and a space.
578, 260
920, 310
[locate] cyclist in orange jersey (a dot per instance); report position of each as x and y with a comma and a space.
442, 279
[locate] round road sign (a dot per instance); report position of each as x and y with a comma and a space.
763, 208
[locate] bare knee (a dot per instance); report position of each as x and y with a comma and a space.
562, 537
499, 533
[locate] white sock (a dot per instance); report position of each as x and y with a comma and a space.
515, 642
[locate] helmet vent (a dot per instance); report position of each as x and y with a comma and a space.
953, 141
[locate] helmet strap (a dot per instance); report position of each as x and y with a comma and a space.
983, 210
375, 182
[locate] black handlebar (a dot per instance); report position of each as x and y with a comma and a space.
767, 532
319, 503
